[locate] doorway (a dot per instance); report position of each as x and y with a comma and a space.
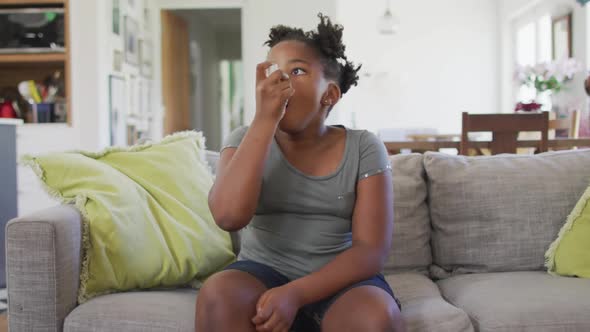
202, 71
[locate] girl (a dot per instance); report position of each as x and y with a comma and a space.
314, 203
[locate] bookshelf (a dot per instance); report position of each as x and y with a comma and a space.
32, 2
18, 67
12, 59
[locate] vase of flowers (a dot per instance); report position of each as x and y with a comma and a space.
547, 79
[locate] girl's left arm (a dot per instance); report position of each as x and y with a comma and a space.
372, 227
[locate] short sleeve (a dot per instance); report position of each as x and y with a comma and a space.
373, 156
234, 139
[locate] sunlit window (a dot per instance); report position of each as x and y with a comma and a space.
533, 46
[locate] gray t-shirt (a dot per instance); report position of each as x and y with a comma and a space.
302, 222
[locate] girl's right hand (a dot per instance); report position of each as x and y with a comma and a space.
272, 93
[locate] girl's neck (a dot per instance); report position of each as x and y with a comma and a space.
308, 137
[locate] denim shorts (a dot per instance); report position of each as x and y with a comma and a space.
309, 317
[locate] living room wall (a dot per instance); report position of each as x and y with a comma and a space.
443, 60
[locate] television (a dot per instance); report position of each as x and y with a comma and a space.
32, 29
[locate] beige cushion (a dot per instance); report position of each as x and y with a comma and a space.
423, 308
411, 231
500, 213
521, 301
147, 311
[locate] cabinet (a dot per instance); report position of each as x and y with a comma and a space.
18, 66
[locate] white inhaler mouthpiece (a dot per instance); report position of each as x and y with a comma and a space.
274, 67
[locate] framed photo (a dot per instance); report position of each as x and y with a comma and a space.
147, 25
116, 17
144, 104
117, 60
131, 41
145, 55
117, 110
132, 134
134, 97
561, 31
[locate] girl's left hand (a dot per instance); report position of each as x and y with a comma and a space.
276, 309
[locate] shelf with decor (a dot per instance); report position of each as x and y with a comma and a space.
31, 2
35, 80
32, 58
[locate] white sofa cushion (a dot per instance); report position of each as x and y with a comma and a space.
521, 301
423, 308
410, 250
147, 311
500, 213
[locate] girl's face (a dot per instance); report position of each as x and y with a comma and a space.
305, 71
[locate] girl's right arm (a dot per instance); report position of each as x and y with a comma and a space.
234, 196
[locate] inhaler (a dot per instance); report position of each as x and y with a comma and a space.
271, 69
274, 67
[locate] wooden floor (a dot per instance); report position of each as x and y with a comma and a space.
3, 323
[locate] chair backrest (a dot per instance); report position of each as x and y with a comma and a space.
569, 124
505, 129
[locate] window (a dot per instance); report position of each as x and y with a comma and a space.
533, 46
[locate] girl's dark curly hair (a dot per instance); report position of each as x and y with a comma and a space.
327, 40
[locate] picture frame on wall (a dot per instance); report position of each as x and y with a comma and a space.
117, 60
147, 25
132, 134
145, 56
134, 98
116, 17
117, 111
131, 41
561, 35
144, 104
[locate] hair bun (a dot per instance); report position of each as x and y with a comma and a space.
329, 38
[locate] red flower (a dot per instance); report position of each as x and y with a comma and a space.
528, 107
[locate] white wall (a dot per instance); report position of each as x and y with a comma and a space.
442, 61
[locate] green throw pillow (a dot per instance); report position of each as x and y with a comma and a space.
569, 254
146, 219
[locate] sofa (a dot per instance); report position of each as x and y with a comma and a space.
468, 251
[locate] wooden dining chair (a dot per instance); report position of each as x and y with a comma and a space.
505, 129
569, 125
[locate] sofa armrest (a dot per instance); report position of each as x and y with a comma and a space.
43, 255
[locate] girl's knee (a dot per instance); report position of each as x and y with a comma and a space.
228, 292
